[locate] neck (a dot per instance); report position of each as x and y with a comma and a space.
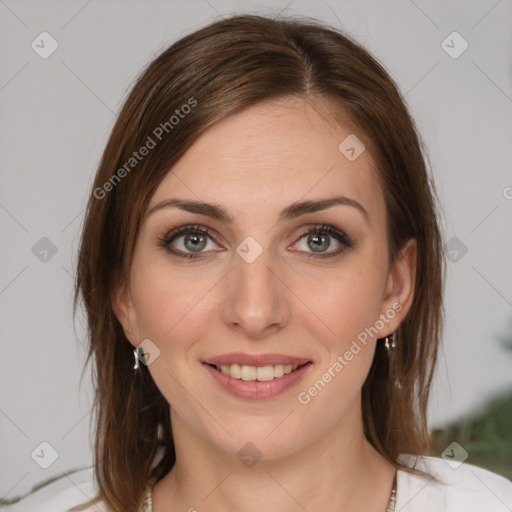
332, 473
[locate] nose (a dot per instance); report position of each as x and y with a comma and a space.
256, 300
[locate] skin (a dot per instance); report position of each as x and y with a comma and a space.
254, 164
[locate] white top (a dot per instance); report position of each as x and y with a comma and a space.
466, 488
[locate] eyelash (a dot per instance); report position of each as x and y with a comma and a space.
165, 241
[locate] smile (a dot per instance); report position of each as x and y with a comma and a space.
259, 373
257, 381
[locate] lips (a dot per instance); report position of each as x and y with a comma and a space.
256, 376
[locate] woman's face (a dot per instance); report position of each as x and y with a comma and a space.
262, 286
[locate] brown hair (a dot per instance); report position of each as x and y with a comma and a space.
218, 70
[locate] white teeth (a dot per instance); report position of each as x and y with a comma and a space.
260, 373
248, 373
278, 370
264, 373
235, 370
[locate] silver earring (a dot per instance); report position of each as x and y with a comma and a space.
138, 353
136, 365
389, 343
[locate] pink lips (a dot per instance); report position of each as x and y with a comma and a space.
256, 390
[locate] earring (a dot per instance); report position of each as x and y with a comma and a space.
136, 365
387, 341
138, 353
390, 345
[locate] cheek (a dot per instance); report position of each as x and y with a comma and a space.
350, 308
348, 302
167, 301
170, 311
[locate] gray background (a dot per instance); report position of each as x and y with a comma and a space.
56, 115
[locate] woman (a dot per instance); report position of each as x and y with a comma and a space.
262, 270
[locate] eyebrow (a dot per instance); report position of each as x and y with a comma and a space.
290, 212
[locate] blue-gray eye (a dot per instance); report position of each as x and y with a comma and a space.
194, 240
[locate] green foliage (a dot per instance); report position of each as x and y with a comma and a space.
486, 436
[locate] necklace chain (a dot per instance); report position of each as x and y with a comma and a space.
392, 498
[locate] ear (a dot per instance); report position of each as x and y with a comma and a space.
122, 305
399, 292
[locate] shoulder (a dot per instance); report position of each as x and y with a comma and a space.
64, 493
465, 488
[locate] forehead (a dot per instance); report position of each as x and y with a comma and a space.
271, 155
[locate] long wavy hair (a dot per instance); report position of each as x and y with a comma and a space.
218, 70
